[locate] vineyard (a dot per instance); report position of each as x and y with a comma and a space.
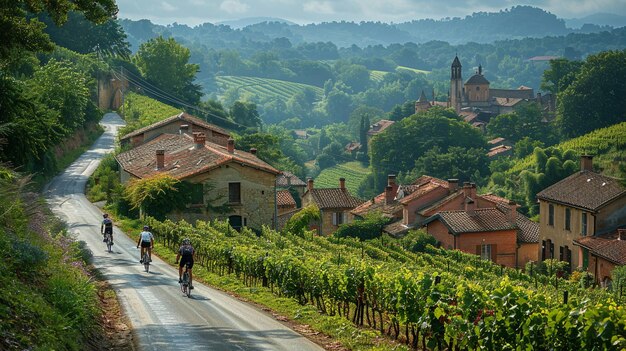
140, 111
607, 145
354, 172
414, 70
264, 88
439, 300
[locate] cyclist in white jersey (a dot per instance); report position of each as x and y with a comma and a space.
146, 240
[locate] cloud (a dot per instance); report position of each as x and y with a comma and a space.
234, 6
319, 7
166, 6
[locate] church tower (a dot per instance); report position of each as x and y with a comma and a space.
456, 85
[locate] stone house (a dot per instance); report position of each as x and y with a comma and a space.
182, 123
287, 180
585, 204
605, 252
221, 175
285, 202
334, 204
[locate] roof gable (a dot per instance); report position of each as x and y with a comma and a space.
183, 116
334, 198
483, 220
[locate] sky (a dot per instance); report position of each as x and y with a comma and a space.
194, 12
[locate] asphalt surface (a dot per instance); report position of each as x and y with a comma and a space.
162, 318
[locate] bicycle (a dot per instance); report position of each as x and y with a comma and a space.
109, 241
184, 283
146, 261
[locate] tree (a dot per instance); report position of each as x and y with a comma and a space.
299, 222
595, 98
560, 75
165, 64
156, 196
23, 33
370, 227
464, 164
355, 121
245, 114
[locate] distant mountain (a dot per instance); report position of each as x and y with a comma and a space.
599, 19
244, 22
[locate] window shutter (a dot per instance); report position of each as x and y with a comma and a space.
334, 218
494, 253
478, 250
345, 218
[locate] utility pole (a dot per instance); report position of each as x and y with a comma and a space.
122, 90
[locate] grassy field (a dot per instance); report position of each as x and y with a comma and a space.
264, 87
400, 68
354, 172
140, 111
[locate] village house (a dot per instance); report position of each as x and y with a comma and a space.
334, 204
418, 204
604, 253
182, 123
287, 180
285, 202
585, 204
221, 175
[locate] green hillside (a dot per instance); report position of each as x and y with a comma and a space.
377, 76
607, 145
415, 70
264, 87
140, 111
354, 172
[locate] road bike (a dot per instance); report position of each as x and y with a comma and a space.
146, 261
185, 283
108, 239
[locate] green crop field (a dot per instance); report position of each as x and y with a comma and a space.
400, 68
377, 76
264, 87
354, 172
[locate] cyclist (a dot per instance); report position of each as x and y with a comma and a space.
106, 227
188, 253
146, 240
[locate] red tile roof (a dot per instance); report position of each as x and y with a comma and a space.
182, 158
183, 116
484, 220
284, 199
496, 141
497, 150
379, 127
585, 189
378, 204
396, 228
504, 101
420, 187
608, 247
334, 198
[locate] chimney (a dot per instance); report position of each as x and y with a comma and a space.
470, 206
469, 190
391, 181
184, 129
309, 184
231, 145
253, 151
389, 194
513, 214
453, 185
586, 163
342, 183
199, 139
160, 159
621, 234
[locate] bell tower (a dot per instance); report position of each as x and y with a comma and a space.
456, 85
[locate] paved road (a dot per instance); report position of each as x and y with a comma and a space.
163, 319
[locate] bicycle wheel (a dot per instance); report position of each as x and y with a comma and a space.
187, 290
146, 262
109, 242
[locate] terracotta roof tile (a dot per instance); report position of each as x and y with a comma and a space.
505, 101
183, 116
484, 220
286, 179
379, 127
396, 228
497, 150
334, 198
284, 199
606, 246
183, 158
584, 189
378, 204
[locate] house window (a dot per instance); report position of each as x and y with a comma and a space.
551, 214
197, 194
234, 193
583, 224
485, 252
338, 218
235, 222
568, 215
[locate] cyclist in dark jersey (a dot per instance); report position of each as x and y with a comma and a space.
106, 227
188, 253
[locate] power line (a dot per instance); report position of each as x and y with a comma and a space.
150, 88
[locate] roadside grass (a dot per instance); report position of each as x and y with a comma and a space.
330, 332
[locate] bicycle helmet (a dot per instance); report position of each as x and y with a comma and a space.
106, 215
186, 241
145, 227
